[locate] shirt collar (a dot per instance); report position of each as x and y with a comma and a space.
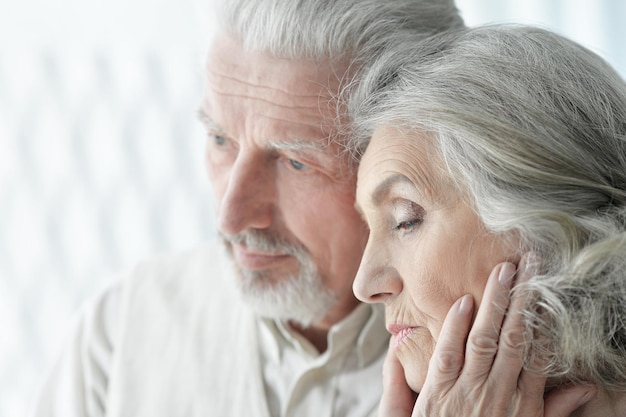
365, 326
374, 337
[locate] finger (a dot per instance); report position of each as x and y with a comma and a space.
532, 381
564, 401
448, 357
484, 338
397, 399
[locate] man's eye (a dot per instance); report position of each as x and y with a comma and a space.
297, 165
217, 139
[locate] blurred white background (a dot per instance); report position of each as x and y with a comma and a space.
101, 154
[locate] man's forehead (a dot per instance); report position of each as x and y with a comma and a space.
283, 103
321, 78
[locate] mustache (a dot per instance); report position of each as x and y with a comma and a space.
265, 241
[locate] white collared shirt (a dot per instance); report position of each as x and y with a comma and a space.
342, 381
173, 339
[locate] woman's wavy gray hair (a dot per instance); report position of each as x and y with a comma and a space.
532, 129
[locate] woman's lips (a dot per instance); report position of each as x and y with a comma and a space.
400, 332
255, 259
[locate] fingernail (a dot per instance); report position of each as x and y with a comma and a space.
507, 272
467, 304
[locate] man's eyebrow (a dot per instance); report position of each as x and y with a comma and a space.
287, 145
207, 121
298, 145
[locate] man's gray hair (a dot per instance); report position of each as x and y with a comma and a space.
531, 127
328, 29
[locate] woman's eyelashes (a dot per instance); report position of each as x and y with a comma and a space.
407, 225
407, 216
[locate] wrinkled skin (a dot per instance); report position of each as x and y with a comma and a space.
484, 378
428, 260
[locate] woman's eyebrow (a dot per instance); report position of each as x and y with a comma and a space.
382, 190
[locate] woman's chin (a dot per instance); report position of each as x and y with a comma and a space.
414, 357
415, 374
416, 384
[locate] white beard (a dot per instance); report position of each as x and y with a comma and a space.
302, 297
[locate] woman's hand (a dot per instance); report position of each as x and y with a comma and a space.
482, 377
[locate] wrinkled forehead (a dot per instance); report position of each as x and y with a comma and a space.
300, 90
411, 154
319, 79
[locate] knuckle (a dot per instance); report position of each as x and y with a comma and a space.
512, 343
448, 361
483, 343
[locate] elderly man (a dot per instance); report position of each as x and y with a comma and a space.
174, 338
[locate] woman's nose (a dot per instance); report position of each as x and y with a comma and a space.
377, 280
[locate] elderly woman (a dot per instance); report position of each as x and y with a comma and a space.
497, 147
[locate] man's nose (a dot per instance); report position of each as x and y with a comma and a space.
377, 280
248, 200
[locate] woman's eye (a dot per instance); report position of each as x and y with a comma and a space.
408, 224
407, 216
